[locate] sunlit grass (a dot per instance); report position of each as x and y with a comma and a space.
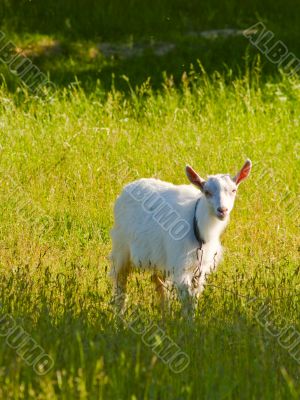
68, 158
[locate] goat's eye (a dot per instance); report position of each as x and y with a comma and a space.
234, 191
207, 193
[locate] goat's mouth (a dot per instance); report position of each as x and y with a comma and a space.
221, 216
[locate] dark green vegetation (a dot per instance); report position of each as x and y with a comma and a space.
64, 160
63, 37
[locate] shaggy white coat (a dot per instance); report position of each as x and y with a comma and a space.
140, 240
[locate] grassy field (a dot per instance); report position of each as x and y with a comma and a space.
65, 158
63, 38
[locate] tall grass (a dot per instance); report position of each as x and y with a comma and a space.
66, 159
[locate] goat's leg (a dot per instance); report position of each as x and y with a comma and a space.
120, 269
120, 286
160, 287
188, 300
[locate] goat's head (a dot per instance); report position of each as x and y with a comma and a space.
219, 190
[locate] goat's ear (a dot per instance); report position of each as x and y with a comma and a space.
194, 178
243, 173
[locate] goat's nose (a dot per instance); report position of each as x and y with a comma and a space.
222, 210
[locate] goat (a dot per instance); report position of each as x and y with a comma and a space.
172, 230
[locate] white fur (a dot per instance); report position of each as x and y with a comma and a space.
139, 240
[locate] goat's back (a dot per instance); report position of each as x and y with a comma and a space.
146, 214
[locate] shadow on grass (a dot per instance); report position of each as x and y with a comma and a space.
92, 346
78, 28
105, 65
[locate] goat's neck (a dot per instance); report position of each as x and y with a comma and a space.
210, 227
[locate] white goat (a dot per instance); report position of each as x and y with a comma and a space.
174, 230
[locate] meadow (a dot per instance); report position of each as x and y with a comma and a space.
66, 157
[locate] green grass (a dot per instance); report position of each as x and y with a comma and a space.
80, 26
64, 160
161, 18
67, 159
